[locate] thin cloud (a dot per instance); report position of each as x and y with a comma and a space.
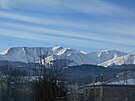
58, 40
121, 29
4, 4
67, 6
62, 34
45, 38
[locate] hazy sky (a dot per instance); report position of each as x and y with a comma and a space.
81, 24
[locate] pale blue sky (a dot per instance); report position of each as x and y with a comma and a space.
81, 24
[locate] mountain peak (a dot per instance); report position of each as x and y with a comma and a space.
57, 47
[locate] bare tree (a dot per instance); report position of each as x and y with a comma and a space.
50, 84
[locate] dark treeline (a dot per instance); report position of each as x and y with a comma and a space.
14, 85
45, 85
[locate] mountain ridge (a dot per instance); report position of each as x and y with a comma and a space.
78, 57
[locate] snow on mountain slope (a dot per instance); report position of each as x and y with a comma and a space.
29, 54
22, 54
127, 59
105, 55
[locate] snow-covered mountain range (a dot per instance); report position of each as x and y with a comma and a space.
103, 58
